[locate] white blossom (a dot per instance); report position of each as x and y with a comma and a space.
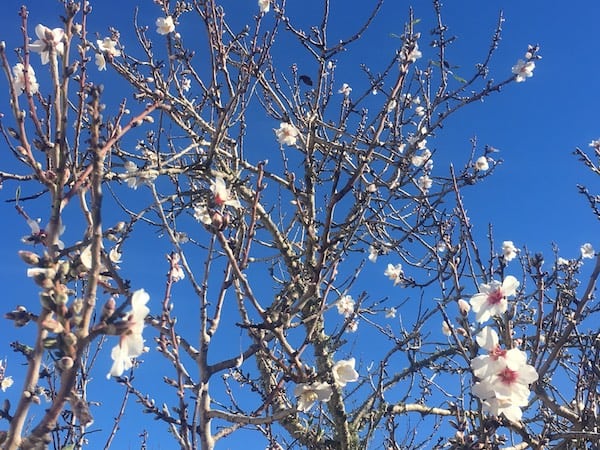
345, 305
287, 134
6, 383
136, 177
19, 79
308, 394
482, 164
222, 195
373, 253
587, 251
419, 160
131, 342
165, 25
523, 70
47, 39
100, 61
394, 273
264, 5
446, 329
201, 214
186, 84
344, 372
491, 299
345, 89
413, 54
509, 251
114, 255
425, 183
390, 313
108, 46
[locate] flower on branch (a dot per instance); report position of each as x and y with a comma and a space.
202, 214
344, 372
131, 342
222, 195
394, 273
47, 39
287, 134
5, 382
107, 47
345, 305
390, 313
425, 183
352, 326
165, 25
264, 5
504, 377
509, 251
373, 253
308, 394
523, 70
419, 160
491, 299
19, 79
345, 89
587, 251
411, 55
136, 177
482, 164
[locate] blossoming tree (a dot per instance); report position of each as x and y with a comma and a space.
277, 195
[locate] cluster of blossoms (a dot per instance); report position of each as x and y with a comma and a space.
308, 393
22, 78
345, 306
504, 377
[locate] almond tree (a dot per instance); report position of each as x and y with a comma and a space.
276, 192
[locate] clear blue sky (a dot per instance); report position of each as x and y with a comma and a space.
531, 199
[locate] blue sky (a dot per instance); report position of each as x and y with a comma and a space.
531, 199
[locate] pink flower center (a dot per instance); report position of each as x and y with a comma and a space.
508, 376
495, 297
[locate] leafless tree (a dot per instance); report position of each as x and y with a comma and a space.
275, 191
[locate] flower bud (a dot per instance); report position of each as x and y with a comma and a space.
77, 306
52, 325
29, 257
46, 301
65, 363
60, 296
108, 309
50, 343
464, 307
69, 339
